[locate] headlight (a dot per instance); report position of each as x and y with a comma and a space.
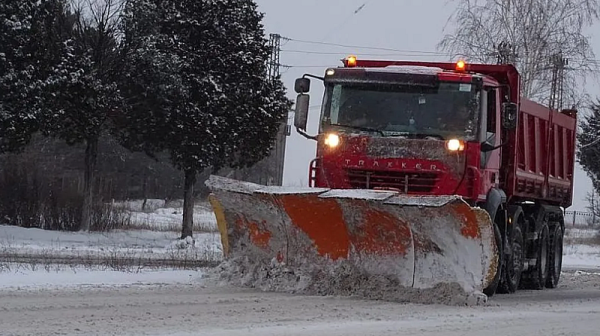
332, 140
455, 145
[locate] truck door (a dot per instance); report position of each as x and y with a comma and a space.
490, 132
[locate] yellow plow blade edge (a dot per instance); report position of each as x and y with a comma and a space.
419, 241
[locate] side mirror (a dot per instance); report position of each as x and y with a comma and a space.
510, 112
302, 85
301, 113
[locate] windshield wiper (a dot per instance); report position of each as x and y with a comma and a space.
360, 128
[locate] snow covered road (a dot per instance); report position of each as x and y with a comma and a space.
197, 308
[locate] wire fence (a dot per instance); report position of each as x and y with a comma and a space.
581, 219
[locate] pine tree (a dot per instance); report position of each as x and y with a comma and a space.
589, 144
30, 49
197, 86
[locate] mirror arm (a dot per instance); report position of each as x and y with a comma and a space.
500, 145
306, 135
496, 147
313, 76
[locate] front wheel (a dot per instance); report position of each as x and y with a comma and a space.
513, 265
490, 290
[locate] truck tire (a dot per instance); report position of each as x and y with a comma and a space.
555, 257
513, 265
491, 289
539, 275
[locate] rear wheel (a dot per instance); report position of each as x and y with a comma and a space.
555, 257
513, 264
539, 275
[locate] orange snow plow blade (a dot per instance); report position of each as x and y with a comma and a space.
418, 241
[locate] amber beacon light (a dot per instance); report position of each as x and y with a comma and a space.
351, 61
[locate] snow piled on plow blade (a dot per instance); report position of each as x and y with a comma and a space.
373, 244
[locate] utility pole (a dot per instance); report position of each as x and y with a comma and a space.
277, 158
269, 171
280, 140
558, 63
506, 53
274, 65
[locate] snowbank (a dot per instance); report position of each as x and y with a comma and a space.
21, 278
161, 216
572, 232
581, 256
145, 243
580, 249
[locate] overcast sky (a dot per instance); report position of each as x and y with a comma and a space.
412, 26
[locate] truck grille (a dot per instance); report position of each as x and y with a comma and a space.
406, 182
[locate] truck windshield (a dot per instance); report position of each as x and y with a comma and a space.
449, 110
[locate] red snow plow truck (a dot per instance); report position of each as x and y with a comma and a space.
426, 173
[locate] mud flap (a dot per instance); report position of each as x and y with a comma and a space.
419, 241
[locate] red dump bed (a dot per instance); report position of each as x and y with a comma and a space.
544, 155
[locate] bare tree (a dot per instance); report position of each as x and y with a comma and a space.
593, 200
538, 31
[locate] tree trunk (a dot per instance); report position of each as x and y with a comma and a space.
91, 157
145, 192
188, 204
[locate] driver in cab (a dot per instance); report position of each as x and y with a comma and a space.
456, 121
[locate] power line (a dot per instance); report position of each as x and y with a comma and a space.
363, 54
361, 47
396, 51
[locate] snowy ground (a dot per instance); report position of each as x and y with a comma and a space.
192, 305
38, 298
